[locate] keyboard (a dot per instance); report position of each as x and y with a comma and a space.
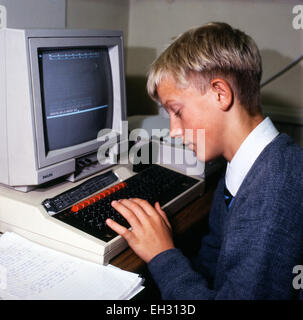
155, 183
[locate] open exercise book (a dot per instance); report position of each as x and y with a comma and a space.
29, 271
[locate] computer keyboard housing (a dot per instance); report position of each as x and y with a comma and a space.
153, 184
53, 215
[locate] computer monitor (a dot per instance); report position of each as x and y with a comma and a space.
58, 90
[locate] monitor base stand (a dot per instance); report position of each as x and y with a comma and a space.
19, 188
87, 166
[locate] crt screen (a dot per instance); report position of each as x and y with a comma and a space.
76, 89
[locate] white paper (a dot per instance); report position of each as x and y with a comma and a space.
36, 272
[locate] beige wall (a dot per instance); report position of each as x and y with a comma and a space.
149, 26
152, 24
46, 14
98, 14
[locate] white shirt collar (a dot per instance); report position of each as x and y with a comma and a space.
247, 154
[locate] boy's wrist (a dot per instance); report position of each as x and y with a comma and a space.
158, 253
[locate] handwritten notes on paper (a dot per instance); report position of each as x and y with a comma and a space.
36, 272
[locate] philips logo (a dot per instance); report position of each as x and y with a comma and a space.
47, 176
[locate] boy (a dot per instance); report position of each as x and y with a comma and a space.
209, 78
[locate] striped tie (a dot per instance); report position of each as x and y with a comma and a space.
229, 199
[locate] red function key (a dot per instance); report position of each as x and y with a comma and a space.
97, 197
81, 205
92, 200
118, 186
75, 208
107, 192
87, 202
102, 195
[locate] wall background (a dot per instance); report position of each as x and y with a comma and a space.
35, 13
150, 25
98, 14
268, 22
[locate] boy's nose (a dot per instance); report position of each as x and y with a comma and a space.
175, 131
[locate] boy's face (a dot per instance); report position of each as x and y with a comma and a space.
189, 109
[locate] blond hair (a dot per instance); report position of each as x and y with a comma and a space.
213, 50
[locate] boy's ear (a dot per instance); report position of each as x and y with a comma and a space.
223, 93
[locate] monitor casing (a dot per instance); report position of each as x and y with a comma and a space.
23, 155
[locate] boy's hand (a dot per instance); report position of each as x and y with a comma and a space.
150, 232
